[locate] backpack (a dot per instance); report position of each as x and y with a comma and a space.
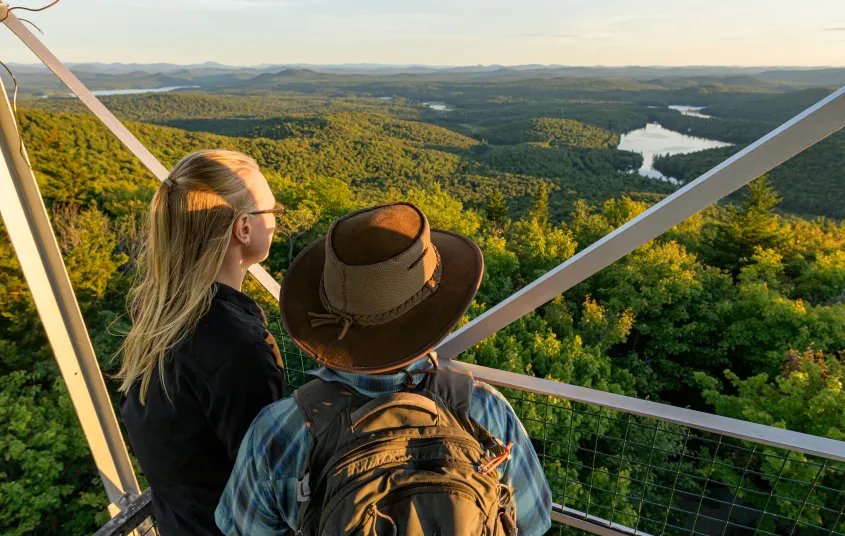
411, 463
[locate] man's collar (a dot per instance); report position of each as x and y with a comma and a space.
373, 385
227, 293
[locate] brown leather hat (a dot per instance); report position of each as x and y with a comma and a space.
379, 291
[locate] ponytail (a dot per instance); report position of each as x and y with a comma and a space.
187, 235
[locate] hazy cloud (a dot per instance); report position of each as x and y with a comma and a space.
235, 4
378, 20
226, 5
552, 35
447, 32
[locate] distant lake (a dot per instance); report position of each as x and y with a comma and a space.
439, 106
654, 139
106, 92
692, 111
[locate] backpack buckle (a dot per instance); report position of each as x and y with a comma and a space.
494, 445
303, 488
493, 463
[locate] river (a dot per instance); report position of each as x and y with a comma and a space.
654, 139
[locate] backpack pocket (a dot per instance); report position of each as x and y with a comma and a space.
424, 509
396, 410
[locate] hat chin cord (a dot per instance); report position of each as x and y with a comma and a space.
325, 319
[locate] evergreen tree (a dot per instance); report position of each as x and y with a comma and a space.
540, 206
497, 208
734, 238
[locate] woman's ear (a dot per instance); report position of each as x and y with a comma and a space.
242, 229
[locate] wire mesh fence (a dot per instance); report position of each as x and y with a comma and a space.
661, 478
658, 478
148, 528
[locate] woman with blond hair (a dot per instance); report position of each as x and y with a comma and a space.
198, 363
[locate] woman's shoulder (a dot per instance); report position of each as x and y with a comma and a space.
233, 318
223, 334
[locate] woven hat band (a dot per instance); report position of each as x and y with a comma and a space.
377, 290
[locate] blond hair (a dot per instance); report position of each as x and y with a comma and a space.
188, 233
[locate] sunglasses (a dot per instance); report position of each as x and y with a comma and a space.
277, 210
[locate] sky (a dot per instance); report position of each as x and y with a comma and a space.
441, 32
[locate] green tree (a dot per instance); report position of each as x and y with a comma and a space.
761, 323
22, 341
497, 208
443, 211
297, 222
539, 247
733, 239
501, 268
806, 396
540, 206
587, 227
48, 481
88, 247
824, 280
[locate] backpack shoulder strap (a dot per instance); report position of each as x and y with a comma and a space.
322, 402
454, 387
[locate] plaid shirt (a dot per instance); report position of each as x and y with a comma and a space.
260, 498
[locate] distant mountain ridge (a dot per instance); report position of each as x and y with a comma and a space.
36, 81
632, 71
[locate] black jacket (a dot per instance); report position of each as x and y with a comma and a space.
217, 382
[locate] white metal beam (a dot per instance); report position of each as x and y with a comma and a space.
806, 129
747, 431
29, 229
112, 123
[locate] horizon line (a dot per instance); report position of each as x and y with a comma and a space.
454, 66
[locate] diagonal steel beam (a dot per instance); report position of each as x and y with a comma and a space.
806, 129
112, 123
29, 230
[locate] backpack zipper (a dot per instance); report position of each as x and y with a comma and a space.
383, 445
418, 442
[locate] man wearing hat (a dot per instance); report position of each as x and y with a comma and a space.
382, 423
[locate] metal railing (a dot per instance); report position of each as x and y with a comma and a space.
620, 465
136, 517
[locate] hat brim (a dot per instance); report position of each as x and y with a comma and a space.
395, 344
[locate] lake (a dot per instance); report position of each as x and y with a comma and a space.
692, 111
106, 92
439, 106
654, 139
